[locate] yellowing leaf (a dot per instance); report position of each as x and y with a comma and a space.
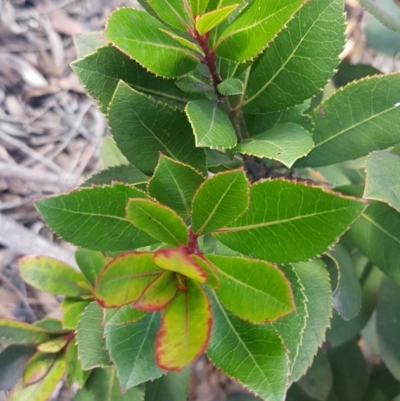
209, 269
38, 367
213, 18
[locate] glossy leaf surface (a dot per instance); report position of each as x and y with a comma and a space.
169, 133
220, 201
213, 18
51, 275
73, 216
299, 61
310, 212
125, 278
172, 12
211, 124
285, 143
341, 133
185, 328
146, 44
158, 221
254, 290
174, 184
254, 355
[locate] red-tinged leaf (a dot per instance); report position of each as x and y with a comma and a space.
159, 293
209, 269
178, 260
54, 346
185, 328
125, 278
157, 220
38, 367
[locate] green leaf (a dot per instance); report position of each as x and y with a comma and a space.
213, 18
377, 234
254, 355
291, 327
300, 60
14, 332
279, 207
219, 201
257, 25
382, 184
38, 367
209, 269
185, 328
122, 316
88, 42
347, 295
197, 82
131, 347
110, 155
317, 383
126, 174
94, 218
185, 42
102, 385
198, 7
173, 12
125, 278
158, 221
231, 86
348, 72
173, 386
42, 390
388, 323
350, 372
75, 373
50, 324
211, 124
169, 132
89, 339
158, 293
254, 290
385, 11
90, 263
52, 275
315, 279
285, 143
13, 360
179, 261
343, 133
146, 43
55, 345
73, 309
174, 184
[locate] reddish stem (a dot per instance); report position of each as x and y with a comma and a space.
193, 247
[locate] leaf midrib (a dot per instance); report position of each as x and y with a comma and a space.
373, 222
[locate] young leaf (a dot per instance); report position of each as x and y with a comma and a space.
387, 324
382, 182
131, 347
73, 309
342, 134
146, 44
173, 12
90, 263
279, 207
38, 367
13, 360
213, 18
14, 332
211, 124
73, 216
158, 294
52, 275
185, 328
252, 289
89, 339
285, 143
315, 279
169, 133
281, 76
173, 386
157, 220
179, 261
209, 269
55, 345
254, 27
42, 390
184, 41
125, 278
231, 86
220, 201
254, 355
174, 184
126, 174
